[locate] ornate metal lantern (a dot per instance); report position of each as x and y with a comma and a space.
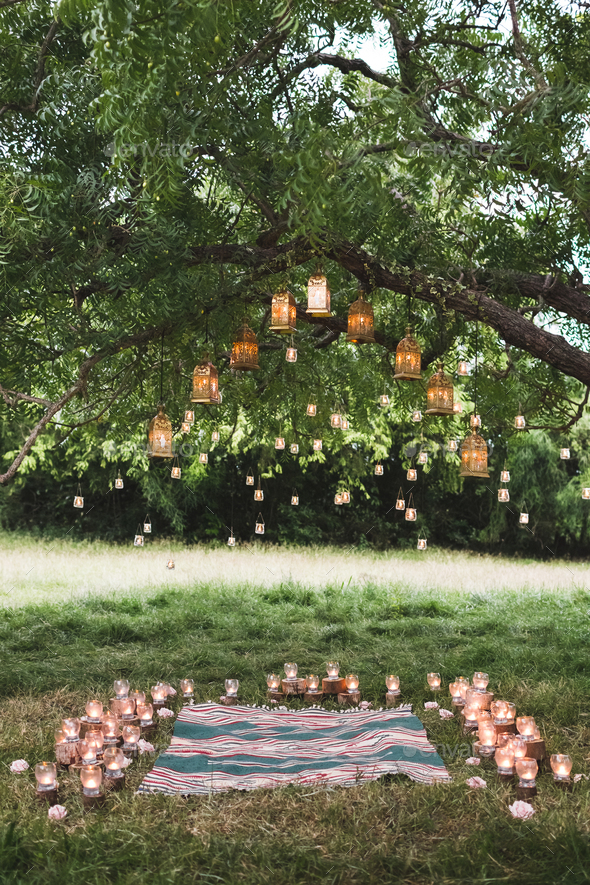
258, 493
205, 384
280, 443
379, 469
383, 400
423, 458
336, 420
138, 540
361, 321
250, 479
291, 355
412, 474
176, 472
283, 316
520, 422
78, 499
294, 448
439, 393
259, 528
203, 458
147, 525
408, 359
416, 416
462, 368
231, 541
317, 445
189, 416
411, 510
294, 498
586, 494
422, 544
523, 519
119, 481
400, 503
215, 436
244, 352
564, 454
452, 445
503, 496
474, 456
318, 296
160, 435
338, 498
345, 496
504, 475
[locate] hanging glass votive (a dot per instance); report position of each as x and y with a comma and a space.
452, 445
423, 458
338, 498
520, 422
422, 544
160, 435
78, 499
205, 384
185, 427
138, 540
439, 393
231, 541
336, 420
258, 493
189, 416
462, 368
586, 494
504, 475
244, 352
119, 481
345, 496
345, 424
250, 479
294, 448
412, 474
379, 469
176, 472
283, 312
317, 445
474, 421
361, 321
259, 529
474, 456
457, 408
215, 436
564, 454
170, 564
318, 295
400, 503
291, 355
294, 498
416, 415
503, 496
408, 359
383, 400
311, 410
411, 510
147, 525
203, 458
523, 519
280, 442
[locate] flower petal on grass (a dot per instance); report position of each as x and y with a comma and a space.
472, 760
145, 746
57, 812
18, 766
446, 714
521, 810
476, 783
431, 705
165, 713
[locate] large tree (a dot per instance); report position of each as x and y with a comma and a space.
167, 165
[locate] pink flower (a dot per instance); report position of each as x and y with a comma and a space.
145, 746
273, 701
446, 714
18, 766
476, 783
57, 812
578, 778
171, 691
473, 760
521, 810
431, 705
364, 705
127, 760
222, 697
165, 713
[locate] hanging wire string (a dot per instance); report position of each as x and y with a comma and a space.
476, 347
162, 369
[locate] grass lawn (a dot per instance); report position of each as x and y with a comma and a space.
527, 625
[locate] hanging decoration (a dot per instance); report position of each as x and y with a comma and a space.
205, 384
317, 445
503, 496
185, 427
345, 424
160, 435
203, 458
189, 415
215, 436
244, 352
170, 564
176, 472
564, 454
400, 503
422, 544
457, 408
258, 493
452, 445
119, 481
294, 498
361, 321
416, 416
586, 494
462, 368
439, 393
474, 456
379, 469
423, 458
318, 295
383, 400
520, 422
408, 359
411, 510
283, 313
524, 518
504, 475
412, 474
280, 442
474, 422
338, 498
78, 499
231, 541
336, 420
259, 529
147, 524
138, 540
294, 448
345, 496
250, 479
311, 410
291, 354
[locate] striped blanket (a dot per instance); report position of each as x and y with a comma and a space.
216, 748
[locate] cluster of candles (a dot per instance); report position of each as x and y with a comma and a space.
312, 682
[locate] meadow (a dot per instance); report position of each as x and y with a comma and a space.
87, 614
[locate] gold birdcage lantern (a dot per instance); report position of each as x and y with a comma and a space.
294, 448
259, 528
423, 458
336, 420
412, 474
504, 475
189, 416
203, 458
345, 496
338, 498
176, 472
318, 296
586, 494
147, 525
462, 368
119, 481
215, 436
361, 321
280, 442
439, 393
503, 496
311, 410
283, 313
205, 384
78, 499
379, 469
383, 400
295, 498
345, 424
400, 503
457, 408
452, 445
258, 493
520, 422
408, 359
138, 540
422, 544
244, 352
523, 519
317, 445
291, 355
416, 416
474, 456
564, 454
250, 479
411, 510
160, 435
231, 541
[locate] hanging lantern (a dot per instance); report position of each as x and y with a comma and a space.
138, 540
176, 472
439, 393
258, 493
294, 448
318, 296
474, 422
317, 445
361, 322
244, 351
119, 481
411, 510
215, 436
400, 504
170, 564
452, 445
291, 355
345, 424
283, 317
205, 384
457, 408
338, 498
203, 458
231, 541
335, 420
379, 469
504, 476
147, 525
346, 497
462, 368
564, 454
160, 435
421, 543
503, 496
78, 499
280, 443
423, 458
383, 400
408, 359
259, 529
412, 474
250, 480
416, 415
523, 519
474, 456
185, 427
294, 498
586, 494
311, 410
189, 416
519, 422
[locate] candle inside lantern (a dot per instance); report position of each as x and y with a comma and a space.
46, 775
462, 368
412, 474
317, 445
121, 688
423, 458
145, 713
231, 687
505, 759
159, 693
564, 454
526, 727
71, 729
502, 712
138, 696
416, 415
131, 735
291, 355
333, 669
127, 708
60, 737
392, 683
294, 448
113, 760
455, 690
484, 716
87, 751
561, 766
518, 746
273, 681
311, 410
109, 727
291, 671
470, 711
336, 419
526, 770
187, 687
480, 681
352, 682
203, 458
312, 682
280, 442
487, 737
475, 696
338, 498
93, 711
96, 739
434, 681
91, 777
378, 469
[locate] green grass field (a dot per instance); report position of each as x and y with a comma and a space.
527, 625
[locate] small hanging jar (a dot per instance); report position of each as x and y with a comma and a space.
345, 424
258, 493
280, 442
250, 479
203, 458
176, 472
185, 427
291, 354
503, 496
294, 448
379, 469
259, 528
345, 496
78, 499
416, 416
336, 420
317, 445
311, 410
411, 510
383, 400
412, 474
422, 544
189, 416
138, 540
457, 408
564, 454
462, 368
423, 458
294, 498
119, 481
504, 475
215, 436
338, 498
400, 503
452, 445
147, 525
231, 541
586, 494
523, 519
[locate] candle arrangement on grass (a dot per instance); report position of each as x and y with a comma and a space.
393, 690
46, 777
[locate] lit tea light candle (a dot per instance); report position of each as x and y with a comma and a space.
131, 735
526, 727
484, 716
434, 681
423, 458
503, 496
113, 761
60, 737
127, 708
455, 691
145, 713
91, 777
96, 740
311, 410
312, 682
333, 669
231, 687
189, 416
159, 693
291, 671
273, 682
470, 712
338, 498
378, 469
121, 688
291, 355
185, 427
280, 442
487, 737
317, 445
138, 696
520, 422
452, 445
561, 766
505, 760
352, 683
518, 747
46, 776
475, 696
187, 687
526, 770
480, 681
71, 729
416, 415
110, 728
345, 424
294, 448
462, 368
93, 711
392, 683
203, 458
412, 474
335, 419
87, 752
499, 712
384, 400
564, 454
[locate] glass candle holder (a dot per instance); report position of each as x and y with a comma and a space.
561, 766
93, 711
392, 683
526, 727
505, 760
333, 669
503, 739
352, 683
434, 681
127, 708
46, 776
131, 735
121, 688
499, 711
60, 737
113, 761
484, 716
487, 737
96, 739
317, 445
71, 729
159, 693
518, 747
273, 682
526, 770
109, 727
311, 410
470, 712
480, 681
138, 696
455, 691
231, 687
475, 697
312, 682
91, 777
291, 671
294, 448
146, 714
187, 687
87, 752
